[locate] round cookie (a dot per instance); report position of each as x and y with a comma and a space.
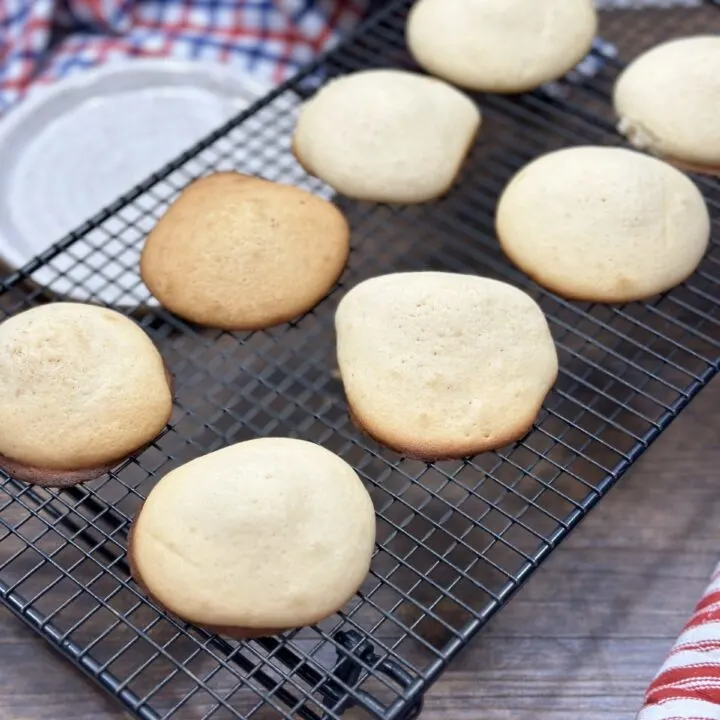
668, 102
500, 46
386, 135
240, 253
603, 224
81, 388
256, 538
437, 365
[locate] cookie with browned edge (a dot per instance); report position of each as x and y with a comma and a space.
440, 365
386, 135
603, 224
241, 253
256, 538
81, 388
668, 102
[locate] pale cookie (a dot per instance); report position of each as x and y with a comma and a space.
500, 46
668, 102
603, 224
256, 538
437, 365
81, 388
386, 135
240, 253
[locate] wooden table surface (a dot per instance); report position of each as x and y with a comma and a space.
581, 640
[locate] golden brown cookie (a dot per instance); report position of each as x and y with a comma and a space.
240, 253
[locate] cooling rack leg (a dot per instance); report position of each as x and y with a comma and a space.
413, 711
354, 655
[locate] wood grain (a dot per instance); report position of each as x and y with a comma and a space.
581, 639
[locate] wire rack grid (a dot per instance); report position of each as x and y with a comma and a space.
455, 539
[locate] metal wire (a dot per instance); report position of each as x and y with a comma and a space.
455, 539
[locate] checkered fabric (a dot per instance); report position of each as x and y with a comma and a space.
43, 40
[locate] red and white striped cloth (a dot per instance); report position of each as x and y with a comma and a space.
687, 687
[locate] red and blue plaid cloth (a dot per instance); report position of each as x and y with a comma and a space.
43, 40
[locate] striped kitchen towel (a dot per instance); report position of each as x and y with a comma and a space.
687, 687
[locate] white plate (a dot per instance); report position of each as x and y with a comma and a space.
73, 148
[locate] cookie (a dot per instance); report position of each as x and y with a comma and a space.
437, 365
668, 102
240, 253
81, 388
603, 224
386, 135
256, 538
500, 46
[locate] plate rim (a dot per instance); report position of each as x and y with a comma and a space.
249, 87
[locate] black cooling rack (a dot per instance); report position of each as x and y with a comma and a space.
455, 539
